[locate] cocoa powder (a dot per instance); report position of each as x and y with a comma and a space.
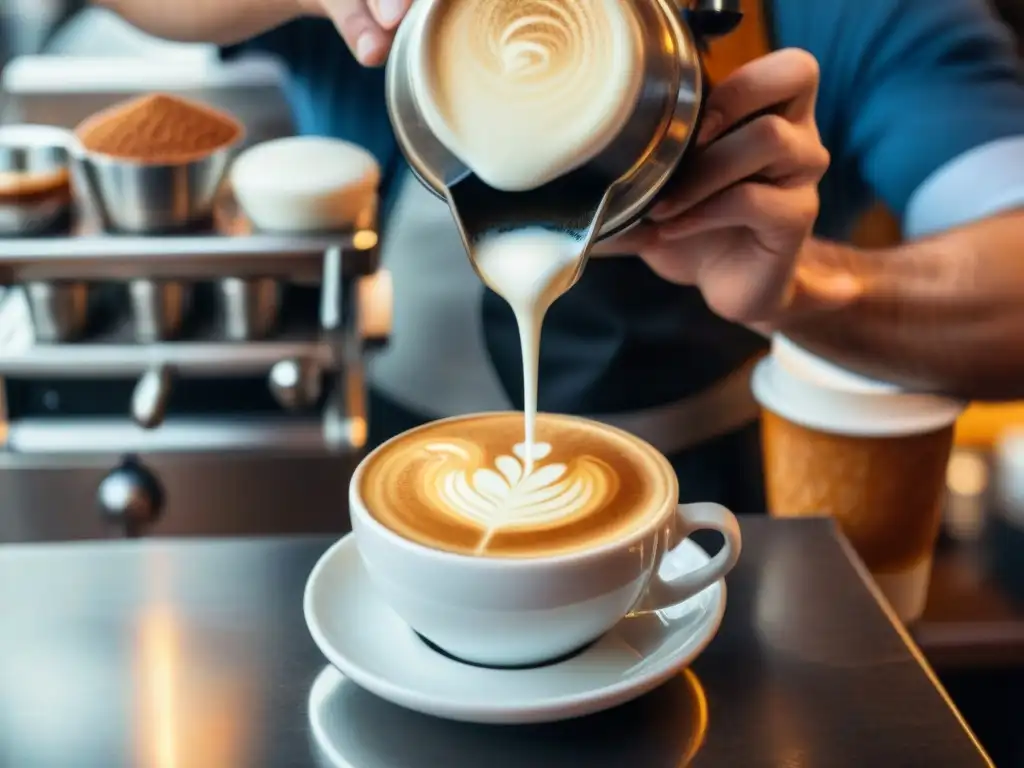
158, 129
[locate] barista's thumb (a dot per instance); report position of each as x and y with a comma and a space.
366, 25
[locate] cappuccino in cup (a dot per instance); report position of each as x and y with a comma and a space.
464, 486
870, 455
503, 564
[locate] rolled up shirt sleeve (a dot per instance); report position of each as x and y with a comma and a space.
928, 105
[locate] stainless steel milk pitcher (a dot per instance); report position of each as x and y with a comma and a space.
656, 137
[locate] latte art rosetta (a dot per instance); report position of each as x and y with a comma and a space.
523, 91
510, 495
469, 486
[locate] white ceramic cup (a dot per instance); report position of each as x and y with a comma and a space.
524, 611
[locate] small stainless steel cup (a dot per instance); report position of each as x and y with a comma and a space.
159, 308
140, 198
59, 310
28, 151
248, 308
135, 195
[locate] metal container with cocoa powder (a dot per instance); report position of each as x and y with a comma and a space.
150, 166
154, 164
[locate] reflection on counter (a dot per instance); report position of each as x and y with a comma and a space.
354, 729
185, 719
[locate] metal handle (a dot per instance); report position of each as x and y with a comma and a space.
714, 18
149, 400
718, 6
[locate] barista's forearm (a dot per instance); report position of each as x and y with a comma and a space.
943, 314
208, 21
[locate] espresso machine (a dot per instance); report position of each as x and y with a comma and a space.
208, 382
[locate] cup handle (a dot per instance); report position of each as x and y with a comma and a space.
665, 593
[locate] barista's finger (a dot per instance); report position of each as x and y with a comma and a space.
363, 35
634, 240
774, 215
678, 261
784, 82
389, 13
770, 149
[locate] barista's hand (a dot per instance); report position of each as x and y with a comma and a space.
367, 26
737, 219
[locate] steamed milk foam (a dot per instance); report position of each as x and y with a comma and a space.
462, 485
524, 91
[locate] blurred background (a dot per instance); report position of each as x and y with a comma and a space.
60, 61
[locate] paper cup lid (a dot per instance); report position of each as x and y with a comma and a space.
817, 394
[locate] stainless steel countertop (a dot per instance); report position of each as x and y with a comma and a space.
192, 654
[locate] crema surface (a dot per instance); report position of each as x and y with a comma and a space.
463, 485
524, 91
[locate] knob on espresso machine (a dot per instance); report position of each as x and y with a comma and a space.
130, 498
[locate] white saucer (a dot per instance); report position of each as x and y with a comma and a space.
373, 647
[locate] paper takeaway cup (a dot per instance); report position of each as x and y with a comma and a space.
865, 452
